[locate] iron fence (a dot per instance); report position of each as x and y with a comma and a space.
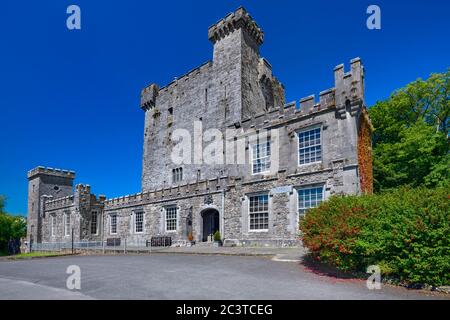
111, 244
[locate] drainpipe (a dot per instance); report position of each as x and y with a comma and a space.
103, 231
222, 222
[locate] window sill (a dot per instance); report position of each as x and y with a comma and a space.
309, 164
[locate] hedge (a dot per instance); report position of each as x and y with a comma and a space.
404, 231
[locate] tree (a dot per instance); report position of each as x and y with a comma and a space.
14, 227
2, 205
411, 137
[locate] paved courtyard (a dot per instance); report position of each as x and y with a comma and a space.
182, 276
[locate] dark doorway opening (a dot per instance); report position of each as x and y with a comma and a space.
210, 223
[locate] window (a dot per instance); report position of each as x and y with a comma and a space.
171, 219
177, 175
52, 225
259, 212
94, 222
139, 222
261, 157
67, 224
113, 224
309, 146
309, 197
170, 111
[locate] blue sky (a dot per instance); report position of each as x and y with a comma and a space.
70, 99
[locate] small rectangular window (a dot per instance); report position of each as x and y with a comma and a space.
261, 157
113, 224
171, 219
138, 222
52, 225
67, 224
259, 212
170, 111
177, 175
94, 222
309, 197
309, 146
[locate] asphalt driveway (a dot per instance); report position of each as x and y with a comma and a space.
179, 276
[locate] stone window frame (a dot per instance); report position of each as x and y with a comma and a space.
135, 213
111, 215
177, 174
53, 225
249, 196
166, 220
95, 214
267, 164
67, 223
309, 187
304, 130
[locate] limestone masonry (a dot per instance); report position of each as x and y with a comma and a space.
306, 154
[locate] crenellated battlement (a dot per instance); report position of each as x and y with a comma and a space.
165, 194
349, 87
83, 189
40, 170
348, 94
233, 21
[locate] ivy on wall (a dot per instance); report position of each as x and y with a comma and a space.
365, 153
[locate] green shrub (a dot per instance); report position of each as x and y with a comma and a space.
217, 236
404, 231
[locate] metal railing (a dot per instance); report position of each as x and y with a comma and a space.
109, 245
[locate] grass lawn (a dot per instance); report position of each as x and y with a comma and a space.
36, 254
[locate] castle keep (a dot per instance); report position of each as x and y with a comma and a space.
292, 156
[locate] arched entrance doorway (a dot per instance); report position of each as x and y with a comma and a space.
211, 220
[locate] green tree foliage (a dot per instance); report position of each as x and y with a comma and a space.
404, 231
10, 226
411, 137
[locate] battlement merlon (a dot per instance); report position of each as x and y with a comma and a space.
349, 87
68, 174
148, 96
233, 21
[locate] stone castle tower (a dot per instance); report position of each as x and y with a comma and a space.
234, 86
45, 184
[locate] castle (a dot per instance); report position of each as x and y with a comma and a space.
291, 157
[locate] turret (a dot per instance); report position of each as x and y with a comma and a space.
349, 88
236, 62
44, 184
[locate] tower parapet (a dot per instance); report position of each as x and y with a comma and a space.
68, 174
235, 20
